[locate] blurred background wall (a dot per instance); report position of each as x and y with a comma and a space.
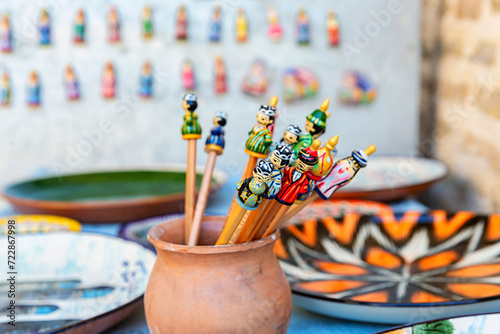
63, 137
460, 102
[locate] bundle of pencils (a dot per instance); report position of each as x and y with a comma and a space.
278, 180
296, 172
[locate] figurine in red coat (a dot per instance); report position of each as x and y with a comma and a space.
295, 180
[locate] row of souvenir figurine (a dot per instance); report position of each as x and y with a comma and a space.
298, 83
275, 29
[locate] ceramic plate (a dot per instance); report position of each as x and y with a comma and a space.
473, 324
391, 269
335, 208
109, 196
391, 178
74, 282
39, 224
138, 231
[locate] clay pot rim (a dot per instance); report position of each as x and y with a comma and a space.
206, 250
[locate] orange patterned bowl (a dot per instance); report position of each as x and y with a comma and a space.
390, 268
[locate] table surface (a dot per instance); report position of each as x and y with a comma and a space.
302, 320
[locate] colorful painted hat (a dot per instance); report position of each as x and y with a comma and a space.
319, 117
264, 168
293, 128
190, 97
308, 156
267, 110
283, 152
360, 157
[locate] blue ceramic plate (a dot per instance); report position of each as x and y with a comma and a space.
73, 282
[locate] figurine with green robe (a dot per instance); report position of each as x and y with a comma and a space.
315, 127
260, 137
191, 129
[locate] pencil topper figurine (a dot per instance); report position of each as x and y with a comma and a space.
146, 81
255, 81
5, 90
71, 84
147, 23
5, 35
290, 138
241, 26
220, 85
315, 126
280, 158
33, 89
251, 190
188, 78
44, 28
191, 129
113, 25
260, 138
326, 156
215, 29
79, 27
303, 29
274, 30
343, 172
215, 141
181, 30
332, 29
296, 180
109, 81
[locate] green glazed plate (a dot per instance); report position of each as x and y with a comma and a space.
107, 196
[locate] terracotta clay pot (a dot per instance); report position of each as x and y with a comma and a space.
215, 289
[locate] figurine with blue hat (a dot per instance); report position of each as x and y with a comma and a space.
215, 141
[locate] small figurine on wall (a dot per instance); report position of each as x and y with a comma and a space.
188, 78
109, 81
113, 25
146, 81
5, 35
33, 90
5, 90
44, 28
220, 85
71, 84
182, 24
79, 26
215, 24
357, 89
147, 23
255, 81
241, 26
332, 29
303, 29
275, 31
216, 141
299, 83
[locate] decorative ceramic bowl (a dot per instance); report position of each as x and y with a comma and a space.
39, 224
394, 269
108, 196
391, 178
74, 282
